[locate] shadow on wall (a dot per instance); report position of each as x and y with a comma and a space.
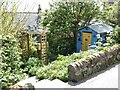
85, 67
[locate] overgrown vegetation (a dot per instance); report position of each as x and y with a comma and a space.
110, 13
58, 68
63, 20
116, 34
30, 63
10, 71
13, 67
8, 12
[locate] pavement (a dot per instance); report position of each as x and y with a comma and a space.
104, 79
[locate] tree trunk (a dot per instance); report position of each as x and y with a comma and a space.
75, 36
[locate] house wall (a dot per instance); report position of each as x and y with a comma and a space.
79, 39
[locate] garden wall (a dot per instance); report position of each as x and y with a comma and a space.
81, 69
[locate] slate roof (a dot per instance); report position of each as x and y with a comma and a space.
101, 28
30, 18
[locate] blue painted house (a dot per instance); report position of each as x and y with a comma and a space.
88, 35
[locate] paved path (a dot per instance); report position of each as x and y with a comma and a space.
104, 79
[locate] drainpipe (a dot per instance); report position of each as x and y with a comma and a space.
39, 17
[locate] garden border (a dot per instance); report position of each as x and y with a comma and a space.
94, 63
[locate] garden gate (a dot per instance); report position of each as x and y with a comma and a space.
42, 45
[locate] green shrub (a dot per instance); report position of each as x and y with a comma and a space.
11, 52
11, 62
58, 68
7, 78
116, 34
32, 62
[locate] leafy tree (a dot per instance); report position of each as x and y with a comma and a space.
63, 20
118, 15
109, 14
8, 12
116, 34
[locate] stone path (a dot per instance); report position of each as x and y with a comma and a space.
104, 79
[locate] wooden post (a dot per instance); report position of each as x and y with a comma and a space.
24, 43
28, 48
42, 45
44, 48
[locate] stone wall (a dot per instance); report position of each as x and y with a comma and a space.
96, 62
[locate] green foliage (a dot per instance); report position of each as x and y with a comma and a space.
58, 68
99, 42
10, 52
63, 20
109, 13
7, 24
12, 67
107, 44
7, 79
32, 62
118, 12
116, 34
33, 48
11, 62
109, 39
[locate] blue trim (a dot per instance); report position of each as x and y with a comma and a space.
79, 39
94, 37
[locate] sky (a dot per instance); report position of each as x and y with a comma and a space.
32, 5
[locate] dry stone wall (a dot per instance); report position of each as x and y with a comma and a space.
96, 62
